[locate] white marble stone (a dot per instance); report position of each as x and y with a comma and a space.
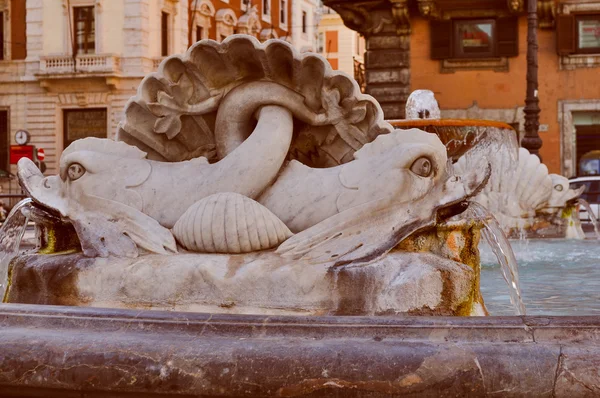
215, 136
421, 104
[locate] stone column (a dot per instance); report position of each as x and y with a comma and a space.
385, 25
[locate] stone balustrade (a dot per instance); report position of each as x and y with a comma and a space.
89, 63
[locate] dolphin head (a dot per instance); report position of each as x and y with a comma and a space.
561, 195
94, 191
410, 185
405, 166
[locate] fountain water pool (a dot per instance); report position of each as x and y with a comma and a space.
557, 277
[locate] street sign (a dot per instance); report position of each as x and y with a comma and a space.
40, 154
20, 151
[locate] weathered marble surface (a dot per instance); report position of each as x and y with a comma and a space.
525, 198
433, 272
241, 147
522, 195
421, 104
414, 280
67, 351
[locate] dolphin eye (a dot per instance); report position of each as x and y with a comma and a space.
75, 171
558, 187
422, 167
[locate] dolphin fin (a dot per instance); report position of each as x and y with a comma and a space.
113, 228
360, 235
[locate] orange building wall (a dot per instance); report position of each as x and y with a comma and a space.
506, 89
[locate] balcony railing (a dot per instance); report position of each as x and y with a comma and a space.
89, 63
359, 74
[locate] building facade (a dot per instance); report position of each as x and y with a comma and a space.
68, 67
472, 55
343, 47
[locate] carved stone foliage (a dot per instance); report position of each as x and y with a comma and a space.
175, 111
447, 9
515, 6
546, 13
428, 8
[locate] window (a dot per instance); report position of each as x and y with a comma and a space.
588, 33
84, 26
4, 141
164, 34
578, 34
199, 32
1, 35
82, 123
474, 38
304, 16
266, 9
321, 43
283, 12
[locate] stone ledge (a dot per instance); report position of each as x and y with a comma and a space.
69, 351
457, 65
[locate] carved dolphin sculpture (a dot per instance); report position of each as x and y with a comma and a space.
420, 189
253, 94
114, 197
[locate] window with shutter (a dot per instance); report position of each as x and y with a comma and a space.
474, 38
507, 33
565, 32
587, 30
441, 39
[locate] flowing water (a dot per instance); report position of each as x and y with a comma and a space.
558, 277
11, 234
503, 251
591, 214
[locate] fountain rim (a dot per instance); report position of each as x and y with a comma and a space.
511, 348
408, 123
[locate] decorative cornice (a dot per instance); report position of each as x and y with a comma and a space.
371, 17
546, 13
428, 9
401, 16
515, 6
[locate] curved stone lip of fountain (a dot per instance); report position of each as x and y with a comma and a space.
153, 353
455, 130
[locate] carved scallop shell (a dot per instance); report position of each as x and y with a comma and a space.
172, 117
517, 190
229, 223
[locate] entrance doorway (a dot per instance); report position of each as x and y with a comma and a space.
82, 123
587, 135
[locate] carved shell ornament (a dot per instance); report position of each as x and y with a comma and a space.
234, 146
524, 187
179, 111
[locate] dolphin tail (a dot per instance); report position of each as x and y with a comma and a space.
360, 235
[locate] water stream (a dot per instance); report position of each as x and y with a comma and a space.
500, 245
591, 214
11, 234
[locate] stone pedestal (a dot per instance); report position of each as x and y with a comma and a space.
434, 272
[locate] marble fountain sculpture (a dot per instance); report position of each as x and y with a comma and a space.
249, 178
524, 197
